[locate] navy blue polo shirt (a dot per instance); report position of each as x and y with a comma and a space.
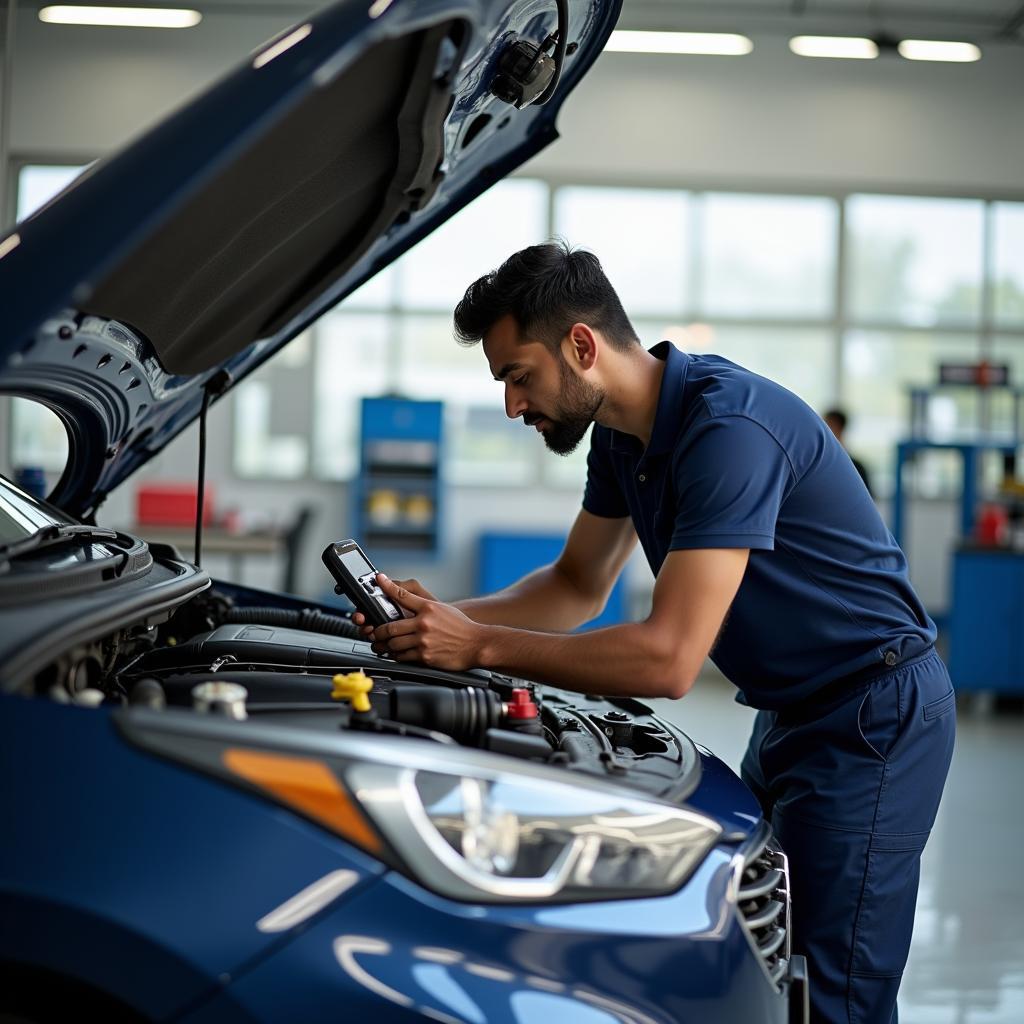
736, 461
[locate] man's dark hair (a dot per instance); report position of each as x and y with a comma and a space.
547, 288
838, 415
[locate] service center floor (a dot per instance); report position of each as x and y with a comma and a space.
967, 959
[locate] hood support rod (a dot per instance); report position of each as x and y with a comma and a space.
213, 388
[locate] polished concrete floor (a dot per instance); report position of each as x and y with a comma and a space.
967, 959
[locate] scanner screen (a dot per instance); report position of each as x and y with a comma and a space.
355, 563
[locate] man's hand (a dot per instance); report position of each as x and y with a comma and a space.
412, 586
437, 634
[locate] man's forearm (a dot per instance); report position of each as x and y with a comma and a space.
543, 600
627, 660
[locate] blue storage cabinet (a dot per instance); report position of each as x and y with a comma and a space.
986, 641
507, 557
398, 490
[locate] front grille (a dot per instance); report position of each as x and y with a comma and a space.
762, 900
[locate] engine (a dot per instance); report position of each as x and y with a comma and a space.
309, 669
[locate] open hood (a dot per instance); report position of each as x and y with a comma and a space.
179, 265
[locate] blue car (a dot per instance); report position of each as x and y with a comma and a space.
219, 804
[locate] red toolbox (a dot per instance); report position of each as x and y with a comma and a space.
171, 505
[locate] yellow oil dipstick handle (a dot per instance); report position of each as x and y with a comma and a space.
353, 687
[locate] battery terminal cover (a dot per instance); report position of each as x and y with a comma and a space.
521, 706
353, 687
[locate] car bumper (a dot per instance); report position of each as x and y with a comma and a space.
395, 952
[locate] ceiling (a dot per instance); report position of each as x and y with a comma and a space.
976, 21
969, 20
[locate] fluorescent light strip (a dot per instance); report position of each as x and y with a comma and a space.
933, 49
121, 17
846, 47
9, 244
711, 43
282, 45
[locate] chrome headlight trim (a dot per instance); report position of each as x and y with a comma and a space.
596, 827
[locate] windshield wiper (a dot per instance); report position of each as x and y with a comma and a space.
54, 534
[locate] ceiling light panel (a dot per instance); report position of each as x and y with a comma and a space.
121, 17
844, 47
934, 49
718, 44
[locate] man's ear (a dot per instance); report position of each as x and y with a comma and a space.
581, 347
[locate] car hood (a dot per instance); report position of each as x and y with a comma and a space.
176, 267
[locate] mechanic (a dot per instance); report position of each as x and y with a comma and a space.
769, 555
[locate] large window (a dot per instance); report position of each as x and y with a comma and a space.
641, 237
798, 358
915, 261
39, 183
434, 274
878, 367
272, 421
1008, 263
843, 299
351, 361
37, 437
768, 256
484, 446
394, 335
928, 281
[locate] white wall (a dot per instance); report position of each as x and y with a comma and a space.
84, 91
772, 117
766, 117
762, 120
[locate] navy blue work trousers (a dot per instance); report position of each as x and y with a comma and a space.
851, 788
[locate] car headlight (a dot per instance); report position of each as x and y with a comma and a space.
501, 836
467, 824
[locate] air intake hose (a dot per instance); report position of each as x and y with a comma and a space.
465, 715
311, 619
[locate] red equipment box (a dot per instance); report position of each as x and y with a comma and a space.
171, 505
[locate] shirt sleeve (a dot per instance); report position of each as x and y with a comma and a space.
730, 478
602, 496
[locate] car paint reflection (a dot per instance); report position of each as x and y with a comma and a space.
449, 979
308, 902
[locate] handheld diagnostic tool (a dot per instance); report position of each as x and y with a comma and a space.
357, 580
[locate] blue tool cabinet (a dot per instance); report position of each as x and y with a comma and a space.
986, 639
507, 557
398, 490
985, 621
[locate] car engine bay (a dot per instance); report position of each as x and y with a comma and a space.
308, 668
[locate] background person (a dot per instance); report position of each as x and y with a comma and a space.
837, 421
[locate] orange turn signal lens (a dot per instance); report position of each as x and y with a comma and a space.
309, 787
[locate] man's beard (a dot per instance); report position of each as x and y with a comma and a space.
577, 407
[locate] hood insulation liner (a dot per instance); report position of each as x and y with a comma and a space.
291, 214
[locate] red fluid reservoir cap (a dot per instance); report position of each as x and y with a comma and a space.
520, 706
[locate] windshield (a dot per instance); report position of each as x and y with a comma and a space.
21, 515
